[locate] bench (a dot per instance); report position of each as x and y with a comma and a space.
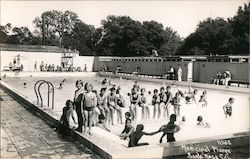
239, 82
6, 68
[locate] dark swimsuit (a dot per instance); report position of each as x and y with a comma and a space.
161, 95
135, 97
142, 101
154, 101
229, 111
168, 95
170, 136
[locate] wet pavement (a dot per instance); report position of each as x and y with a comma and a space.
24, 135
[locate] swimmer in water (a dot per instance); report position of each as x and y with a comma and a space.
228, 108
170, 129
203, 99
24, 85
201, 123
60, 86
137, 135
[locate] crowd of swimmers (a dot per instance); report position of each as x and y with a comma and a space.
97, 108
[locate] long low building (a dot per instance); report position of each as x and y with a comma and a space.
195, 68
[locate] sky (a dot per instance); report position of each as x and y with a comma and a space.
181, 15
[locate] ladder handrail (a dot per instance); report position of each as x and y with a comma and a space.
36, 90
40, 92
49, 84
53, 94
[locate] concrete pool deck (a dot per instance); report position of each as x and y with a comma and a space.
24, 135
239, 142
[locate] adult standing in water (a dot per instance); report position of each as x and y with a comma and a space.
78, 103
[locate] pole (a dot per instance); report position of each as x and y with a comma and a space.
43, 29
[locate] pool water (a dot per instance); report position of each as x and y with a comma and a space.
213, 113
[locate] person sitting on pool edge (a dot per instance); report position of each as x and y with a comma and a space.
65, 118
101, 123
128, 130
170, 129
137, 135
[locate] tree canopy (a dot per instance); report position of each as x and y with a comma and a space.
219, 36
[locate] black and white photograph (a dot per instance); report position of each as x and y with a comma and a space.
143, 79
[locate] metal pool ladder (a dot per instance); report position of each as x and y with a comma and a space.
50, 90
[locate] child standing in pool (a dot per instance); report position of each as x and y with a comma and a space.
169, 97
90, 102
112, 104
143, 105
228, 108
163, 99
170, 129
156, 102
176, 103
134, 100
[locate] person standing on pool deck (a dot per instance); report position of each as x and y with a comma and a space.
89, 103
228, 108
170, 129
35, 66
78, 104
179, 73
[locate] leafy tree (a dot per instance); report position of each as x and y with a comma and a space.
4, 31
240, 28
57, 23
218, 36
172, 42
210, 37
127, 37
81, 38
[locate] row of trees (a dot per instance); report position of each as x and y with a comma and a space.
123, 36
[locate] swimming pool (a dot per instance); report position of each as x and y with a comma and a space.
213, 113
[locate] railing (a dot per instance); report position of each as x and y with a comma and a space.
51, 90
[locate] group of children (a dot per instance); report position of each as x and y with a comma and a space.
93, 108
